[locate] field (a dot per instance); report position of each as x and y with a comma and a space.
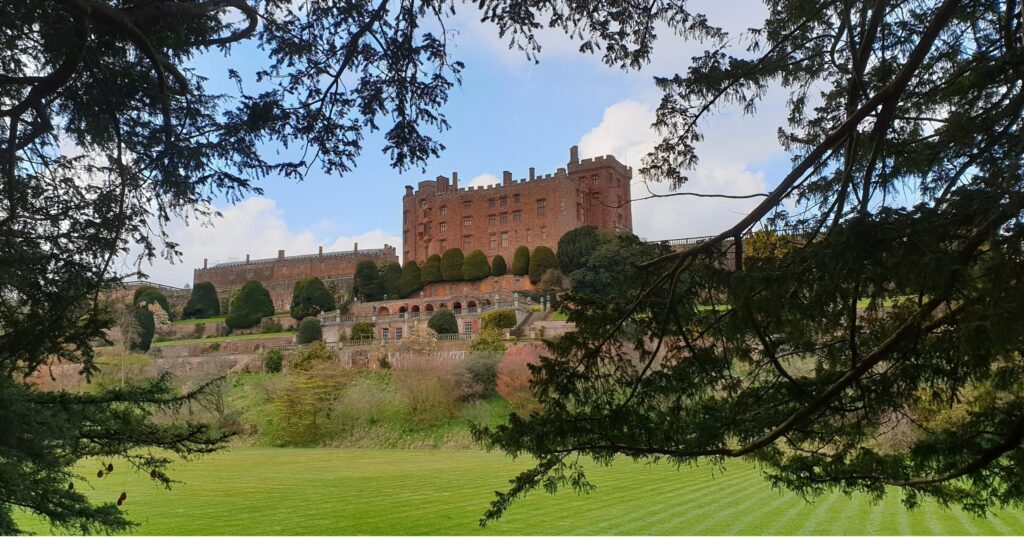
334, 491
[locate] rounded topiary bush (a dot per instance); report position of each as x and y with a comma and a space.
410, 281
576, 247
451, 265
431, 270
311, 297
498, 319
498, 266
250, 305
521, 261
149, 295
443, 322
309, 331
541, 260
475, 266
203, 302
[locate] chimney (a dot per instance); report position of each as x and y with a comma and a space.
280, 255
408, 190
321, 251
506, 178
355, 247
455, 180
533, 173
574, 155
204, 262
246, 259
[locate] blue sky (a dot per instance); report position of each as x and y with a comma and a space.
508, 114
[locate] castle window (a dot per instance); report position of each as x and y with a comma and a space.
494, 241
467, 205
581, 213
385, 333
543, 234
490, 219
444, 245
517, 216
503, 201
541, 206
504, 239
443, 210
398, 333
515, 199
503, 218
430, 228
467, 241
442, 227
467, 221
528, 233
490, 203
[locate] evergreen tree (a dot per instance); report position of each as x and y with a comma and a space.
410, 281
390, 274
475, 266
150, 295
521, 261
311, 297
443, 322
541, 260
432, 270
498, 267
368, 285
146, 329
250, 306
451, 265
309, 331
203, 302
575, 248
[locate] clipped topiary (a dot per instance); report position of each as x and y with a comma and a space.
443, 322
368, 284
309, 331
150, 295
431, 270
390, 274
203, 302
410, 282
541, 260
498, 319
498, 266
521, 261
250, 305
363, 330
488, 341
451, 265
310, 297
576, 247
146, 328
475, 266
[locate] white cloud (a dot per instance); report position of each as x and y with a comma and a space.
484, 179
724, 168
256, 227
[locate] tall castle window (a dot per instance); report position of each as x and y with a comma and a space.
517, 216
503, 201
467, 241
467, 221
442, 227
494, 241
490, 203
504, 239
490, 219
467, 205
541, 206
515, 199
443, 210
503, 218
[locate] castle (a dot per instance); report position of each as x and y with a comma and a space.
533, 211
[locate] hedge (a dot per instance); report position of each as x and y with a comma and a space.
203, 302
431, 270
250, 305
498, 319
390, 274
309, 331
368, 285
443, 322
521, 261
498, 266
410, 282
541, 261
310, 297
451, 265
475, 266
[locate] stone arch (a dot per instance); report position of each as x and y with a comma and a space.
487, 302
415, 310
471, 305
457, 307
383, 310
429, 308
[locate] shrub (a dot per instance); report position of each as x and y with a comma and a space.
576, 247
475, 266
513, 381
432, 270
272, 360
483, 369
391, 274
541, 260
309, 357
410, 282
161, 321
498, 267
146, 328
363, 330
488, 340
310, 297
198, 331
270, 325
250, 305
368, 285
554, 280
498, 319
422, 340
451, 265
309, 331
150, 295
202, 303
521, 261
443, 322
433, 388
303, 406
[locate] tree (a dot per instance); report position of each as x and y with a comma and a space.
309, 331
541, 261
443, 322
451, 265
422, 340
575, 247
203, 302
150, 295
475, 266
432, 270
390, 274
311, 297
249, 306
488, 340
363, 330
869, 322
146, 329
498, 267
410, 280
521, 261
368, 285
272, 360
498, 319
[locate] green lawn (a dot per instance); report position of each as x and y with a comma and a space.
220, 338
332, 491
221, 318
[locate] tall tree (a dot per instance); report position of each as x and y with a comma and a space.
432, 270
882, 348
311, 297
203, 302
390, 274
410, 280
368, 285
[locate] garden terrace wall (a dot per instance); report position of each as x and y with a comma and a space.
222, 347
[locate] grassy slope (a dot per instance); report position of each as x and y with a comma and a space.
330, 491
220, 338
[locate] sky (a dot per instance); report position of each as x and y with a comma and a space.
508, 114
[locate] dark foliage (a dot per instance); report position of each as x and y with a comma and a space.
251, 304
541, 261
432, 270
368, 286
146, 329
498, 266
483, 368
410, 282
521, 261
451, 265
203, 302
150, 295
390, 274
575, 248
309, 331
272, 361
311, 297
475, 266
443, 322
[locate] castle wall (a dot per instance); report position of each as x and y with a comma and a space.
534, 211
